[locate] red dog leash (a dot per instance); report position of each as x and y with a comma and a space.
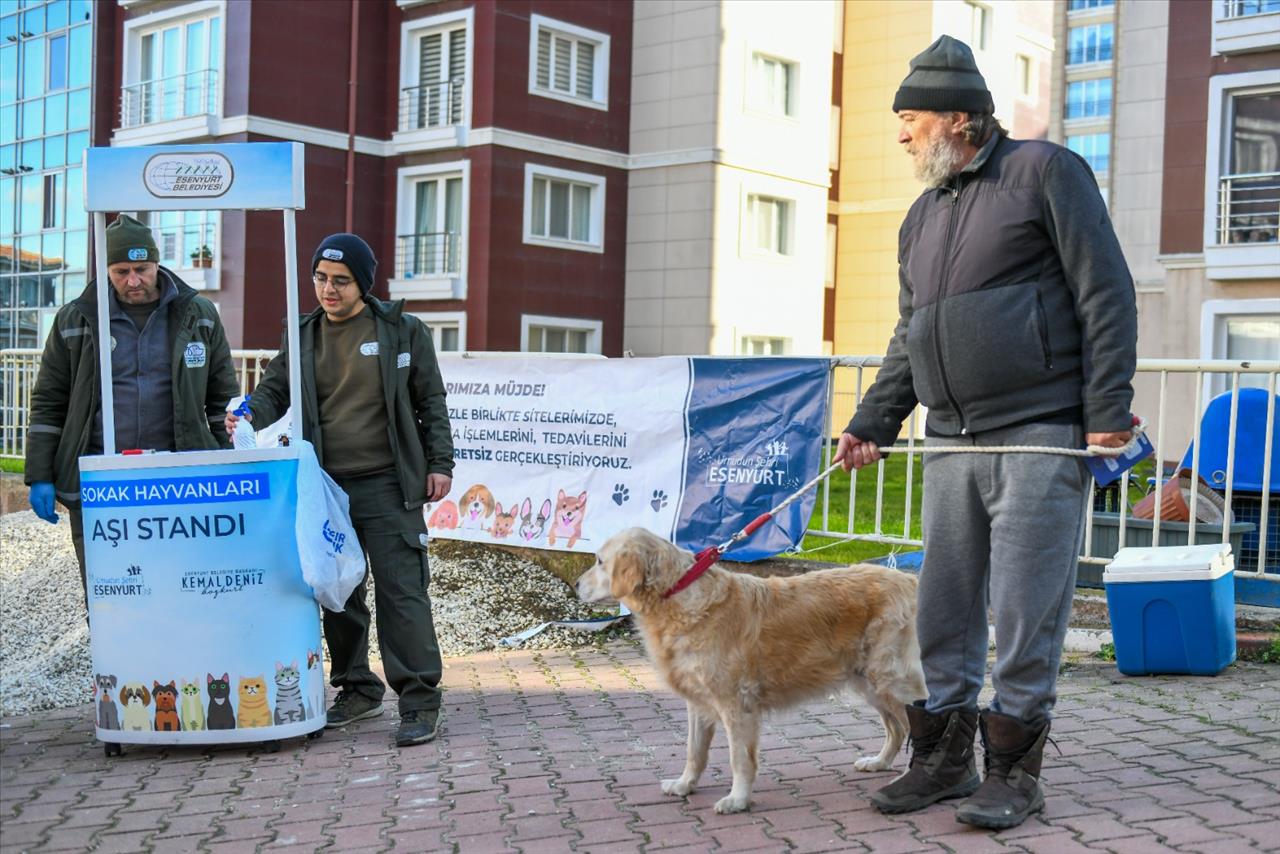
705, 558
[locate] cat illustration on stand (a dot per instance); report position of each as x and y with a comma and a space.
289, 708
253, 709
192, 713
315, 683
221, 715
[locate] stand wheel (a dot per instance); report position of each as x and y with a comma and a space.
312, 736
112, 748
271, 746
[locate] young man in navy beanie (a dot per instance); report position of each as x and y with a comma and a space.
374, 407
1023, 331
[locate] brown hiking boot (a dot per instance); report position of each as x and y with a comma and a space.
941, 766
1011, 790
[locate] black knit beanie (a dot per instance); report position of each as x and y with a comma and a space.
130, 240
348, 249
944, 78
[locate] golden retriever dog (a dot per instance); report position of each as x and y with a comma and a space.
736, 646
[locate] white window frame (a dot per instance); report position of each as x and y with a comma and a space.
595, 222
134, 29
435, 320
1232, 261
599, 99
979, 35
1091, 62
748, 231
1102, 118
755, 101
745, 340
1032, 94
1100, 174
593, 328
411, 33
1214, 314
432, 287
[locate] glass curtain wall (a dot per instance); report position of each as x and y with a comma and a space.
45, 75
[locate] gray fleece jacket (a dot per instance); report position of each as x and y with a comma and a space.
1015, 302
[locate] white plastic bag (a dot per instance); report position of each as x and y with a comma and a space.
279, 433
332, 560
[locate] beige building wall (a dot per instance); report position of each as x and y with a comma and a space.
699, 150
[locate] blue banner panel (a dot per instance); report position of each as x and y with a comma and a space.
755, 436
201, 628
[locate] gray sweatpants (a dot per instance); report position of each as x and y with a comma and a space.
1002, 530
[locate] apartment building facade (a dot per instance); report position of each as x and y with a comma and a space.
480, 147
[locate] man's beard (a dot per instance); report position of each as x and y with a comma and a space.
941, 158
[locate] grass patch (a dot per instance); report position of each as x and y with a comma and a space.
864, 504
12, 464
1107, 652
1267, 655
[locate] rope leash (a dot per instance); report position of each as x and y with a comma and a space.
708, 556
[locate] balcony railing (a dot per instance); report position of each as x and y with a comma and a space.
434, 254
1249, 208
1245, 8
188, 245
1081, 55
165, 98
434, 105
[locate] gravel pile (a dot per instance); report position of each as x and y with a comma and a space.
478, 596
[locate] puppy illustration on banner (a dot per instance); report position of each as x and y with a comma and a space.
475, 508
567, 520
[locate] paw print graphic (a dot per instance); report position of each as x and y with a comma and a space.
621, 495
658, 501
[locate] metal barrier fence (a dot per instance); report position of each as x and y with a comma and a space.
1257, 511
18, 369
1259, 559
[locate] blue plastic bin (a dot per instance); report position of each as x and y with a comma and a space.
1172, 609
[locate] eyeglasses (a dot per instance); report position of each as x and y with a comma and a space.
338, 282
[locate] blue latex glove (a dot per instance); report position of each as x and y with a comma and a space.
41, 499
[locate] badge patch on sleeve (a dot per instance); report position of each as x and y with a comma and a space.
369, 348
402, 360
194, 355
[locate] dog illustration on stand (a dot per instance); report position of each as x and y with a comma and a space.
567, 521
166, 699
475, 508
135, 698
108, 714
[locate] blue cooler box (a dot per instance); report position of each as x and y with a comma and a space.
1172, 609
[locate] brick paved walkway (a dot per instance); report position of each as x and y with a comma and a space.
562, 751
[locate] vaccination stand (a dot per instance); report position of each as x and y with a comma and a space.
201, 628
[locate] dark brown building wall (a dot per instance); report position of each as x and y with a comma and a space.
300, 52
261, 237
514, 108
528, 279
1186, 120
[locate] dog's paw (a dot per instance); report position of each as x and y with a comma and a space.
658, 501
679, 787
871, 763
621, 494
729, 804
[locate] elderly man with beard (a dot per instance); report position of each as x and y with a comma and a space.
1017, 326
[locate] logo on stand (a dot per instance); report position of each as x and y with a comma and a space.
188, 176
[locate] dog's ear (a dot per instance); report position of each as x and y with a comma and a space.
146, 698
499, 506
156, 684
582, 499
112, 680
526, 508
626, 572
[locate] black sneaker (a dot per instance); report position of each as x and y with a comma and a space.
352, 706
417, 726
